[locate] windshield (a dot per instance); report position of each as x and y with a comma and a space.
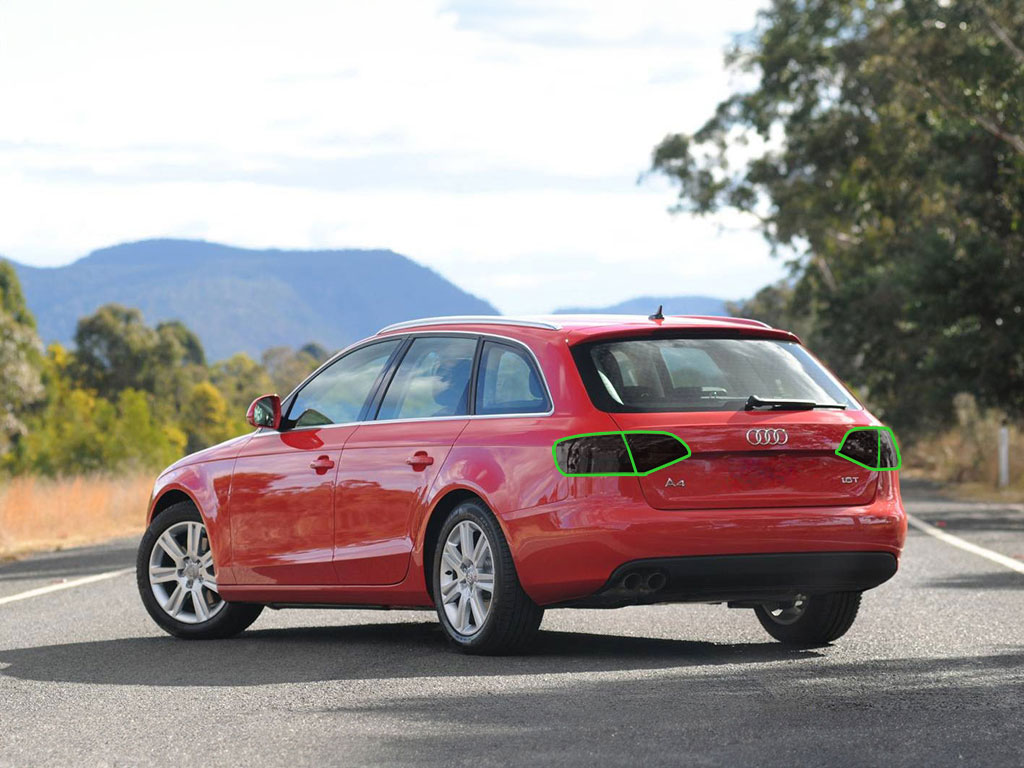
703, 374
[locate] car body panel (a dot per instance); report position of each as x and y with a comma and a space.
726, 470
374, 518
208, 485
282, 508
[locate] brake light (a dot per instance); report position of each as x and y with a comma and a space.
613, 454
871, 447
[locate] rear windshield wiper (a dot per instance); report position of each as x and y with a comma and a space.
787, 405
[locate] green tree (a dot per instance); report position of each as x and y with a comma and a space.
318, 352
205, 418
183, 344
138, 437
240, 379
77, 431
884, 146
116, 350
287, 367
20, 359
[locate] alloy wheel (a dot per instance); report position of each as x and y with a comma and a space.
467, 577
182, 575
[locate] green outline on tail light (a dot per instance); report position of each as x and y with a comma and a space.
629, 452
879, 430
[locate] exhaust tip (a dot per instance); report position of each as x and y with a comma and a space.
632, 581
656, 581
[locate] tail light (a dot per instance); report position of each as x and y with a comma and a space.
611, 454
871, 448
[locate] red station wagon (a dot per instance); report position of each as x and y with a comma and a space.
493, 467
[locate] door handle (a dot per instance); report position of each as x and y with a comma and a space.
419, 460
322, 464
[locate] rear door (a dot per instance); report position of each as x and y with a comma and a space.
389, 464
697, 388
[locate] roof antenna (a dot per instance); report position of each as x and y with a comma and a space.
659, 315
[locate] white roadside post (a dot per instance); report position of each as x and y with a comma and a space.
1004, 455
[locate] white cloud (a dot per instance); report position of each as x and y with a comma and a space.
497, 142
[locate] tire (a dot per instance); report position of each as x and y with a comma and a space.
200, 613
818, 621
510, 617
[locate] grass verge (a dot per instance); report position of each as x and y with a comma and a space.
39, 514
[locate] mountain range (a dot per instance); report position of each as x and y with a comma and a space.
243, 300
646, 305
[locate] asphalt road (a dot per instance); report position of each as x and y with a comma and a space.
932, 673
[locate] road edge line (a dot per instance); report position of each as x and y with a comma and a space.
956, 541
39, 591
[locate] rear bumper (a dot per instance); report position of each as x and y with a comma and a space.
568, 551
738, 578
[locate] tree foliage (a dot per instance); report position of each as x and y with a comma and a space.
287, 367
20, 359
129, 395
889, 163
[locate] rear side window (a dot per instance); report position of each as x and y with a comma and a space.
508, 382
702, 374
432, 380
338, 393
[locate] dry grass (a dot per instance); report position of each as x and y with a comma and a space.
41, 513
965, 457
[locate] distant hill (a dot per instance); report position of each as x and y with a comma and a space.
245, 300
646, 305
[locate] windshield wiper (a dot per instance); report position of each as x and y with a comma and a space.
778, 404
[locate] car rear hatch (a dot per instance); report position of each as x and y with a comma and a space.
752, 459
761, 416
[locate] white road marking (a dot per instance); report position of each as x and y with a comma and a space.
64, 585
956, 541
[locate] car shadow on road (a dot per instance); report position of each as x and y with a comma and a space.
893, 712
357, 652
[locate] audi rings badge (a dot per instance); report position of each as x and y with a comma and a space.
767, 436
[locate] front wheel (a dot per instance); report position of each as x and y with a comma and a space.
177, 579
810, 621
480, 603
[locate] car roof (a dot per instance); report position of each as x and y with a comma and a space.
578, 328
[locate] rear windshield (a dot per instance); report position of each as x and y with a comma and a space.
702, 374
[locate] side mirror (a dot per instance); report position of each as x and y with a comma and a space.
265, 412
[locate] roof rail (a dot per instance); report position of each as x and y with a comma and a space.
726, 318
470, 320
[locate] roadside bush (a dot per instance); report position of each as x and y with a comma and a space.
968, 452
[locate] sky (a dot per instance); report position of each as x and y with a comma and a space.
499, 143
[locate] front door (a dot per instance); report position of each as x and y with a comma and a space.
282, 492
389, 465
282, 503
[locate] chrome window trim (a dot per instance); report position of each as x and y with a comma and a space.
469, 319
476, 334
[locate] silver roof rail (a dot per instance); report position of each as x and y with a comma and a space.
470, 320
730, 319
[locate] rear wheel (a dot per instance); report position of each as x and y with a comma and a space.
480, 603
177, 579
810, 621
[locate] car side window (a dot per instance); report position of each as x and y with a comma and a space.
432, 379
508, 382
338, 393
